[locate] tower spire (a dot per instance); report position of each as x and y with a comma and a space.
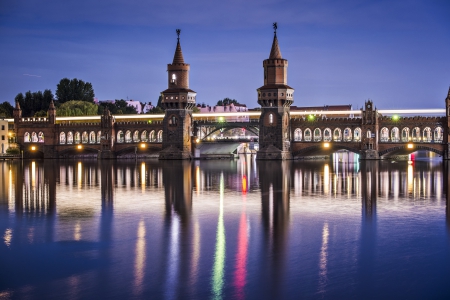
275, 52
178, 57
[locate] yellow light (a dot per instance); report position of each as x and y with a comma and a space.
197, 140
326, 145
410, 146
142, 145
79, 147
33, 148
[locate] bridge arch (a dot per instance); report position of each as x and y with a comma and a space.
404, 150
229, 126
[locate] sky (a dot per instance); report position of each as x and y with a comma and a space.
396, 53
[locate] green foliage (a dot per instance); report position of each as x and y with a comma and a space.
74, 89
13, 151
77, 108
41, 113
33, 102
6, 109
196, 109
226, 101
156, 110
120, 107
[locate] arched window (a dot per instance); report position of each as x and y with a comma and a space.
92, 137
34, 137
77, 138
308, 135
27, 137
99, 137
151, 136
70, 137
136, 136
384, 134
120, 138
438, 134
84, 137
297, 134
369, 134
144, 136
395, 136
405, 134
173, 120
357, 134
327, 135
427, 135
159, 138
337, 135
347, 135
40, 137
128, 136
317, 135
270, 118
174, 78
415, 134
62, 138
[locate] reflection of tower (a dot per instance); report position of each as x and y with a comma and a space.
447, 136
447, 192
177, 180
275, 98
275, 180
178, 101
107, 194
366, 260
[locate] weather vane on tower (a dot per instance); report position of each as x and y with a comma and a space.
275, 26
178, 33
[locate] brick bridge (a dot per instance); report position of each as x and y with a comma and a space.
281, 133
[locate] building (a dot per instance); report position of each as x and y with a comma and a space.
4, 138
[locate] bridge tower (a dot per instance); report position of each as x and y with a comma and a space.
107, 135
178, 101
275, 98
370, 129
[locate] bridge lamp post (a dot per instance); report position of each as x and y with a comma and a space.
311, 117
33, 148
142, 146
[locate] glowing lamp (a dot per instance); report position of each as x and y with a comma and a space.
395, 117
326, 145
142, 145
33, 148
197, 140
79, 147
410, 146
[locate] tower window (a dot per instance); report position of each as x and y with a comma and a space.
270, 119
174, 78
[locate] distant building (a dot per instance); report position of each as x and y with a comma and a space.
3, 136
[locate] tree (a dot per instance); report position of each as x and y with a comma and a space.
226, 101
74, 89
34, 102
77, 108
6, 110
158, 109
119, 107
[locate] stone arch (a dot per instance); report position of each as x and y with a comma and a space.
317, 135
327, 135
34, 137
120, 136
84, 137
151, 136
337, 135
297, 134
405, 134
70, 137
438, 134
395, 136
40, 137
427, 137
415, 134
357, 135
27, 137
62, 138
92, 137
384, 134
136, 136
128, 138
99, 137
308, 135
144, 136
77, 137
347, 134
159, 137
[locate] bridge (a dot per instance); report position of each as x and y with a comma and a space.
280, 133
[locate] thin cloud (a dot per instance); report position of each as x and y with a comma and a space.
31, 75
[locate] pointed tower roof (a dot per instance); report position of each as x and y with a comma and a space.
178, 57
275, 52
448, 95
17, 105
52, 105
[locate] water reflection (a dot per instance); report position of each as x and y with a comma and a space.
221, 229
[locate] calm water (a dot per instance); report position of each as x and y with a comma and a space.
224, 230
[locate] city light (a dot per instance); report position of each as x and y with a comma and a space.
79, 147
410, 146
142, 145
395, 117
326, 145
311, 117
33, 148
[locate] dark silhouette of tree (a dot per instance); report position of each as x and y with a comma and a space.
119, 107
35, 102
6, 110
227, 101
74, 89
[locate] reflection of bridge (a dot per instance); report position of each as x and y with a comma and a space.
282, 133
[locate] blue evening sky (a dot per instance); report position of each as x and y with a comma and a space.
396, 53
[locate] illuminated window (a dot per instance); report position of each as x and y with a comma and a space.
317, 135
438, 134
395, 136
62, 138
384, 134
337, 135
298, 134
327, 135
405, 134
308, 135
174, 78
270, 119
